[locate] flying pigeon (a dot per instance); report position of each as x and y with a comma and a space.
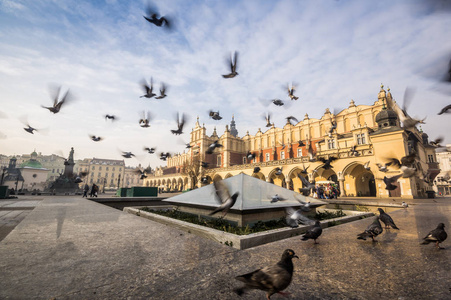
153, 17
436, 142
273, 279
407, 121
327, 162
256, 170
164, 156
444, 110
250, 156
383, 168
313, 233
305, 206
145, 119
304, 169
300, 143
110, 117
232, 63
95, 138
291, 92
150, 150
277, 102
389, 182
333, 126
408, 171
163, 89
353, 151
311, 155
214, 115
223, 196
294, 217
180, 124
277, 198
438, 235
366, 166
127, 154
55, 91
267, 117
291, 118
307, 186
30, 129
204, 164
386, 219
212, 147
373, 230
148, 89
278, 171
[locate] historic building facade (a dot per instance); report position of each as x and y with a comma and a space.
374, 130
442, 183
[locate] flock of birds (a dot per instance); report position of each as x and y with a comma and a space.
274, 279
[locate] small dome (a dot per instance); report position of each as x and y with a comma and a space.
31, 164
386, 118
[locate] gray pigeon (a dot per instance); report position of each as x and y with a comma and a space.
386, 219
307, 186
294, 217
273, 279
437, 235
404, 204
373, 230
277, 198
313, 233
224, 198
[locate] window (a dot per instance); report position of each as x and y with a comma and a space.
361, 139
120, 169
93, 167
100, 168
218, 160
106, 175
331, 143
267, 157
430, 158
99, 175
282, 154
299, 152
244, 160
107, 168
113, 169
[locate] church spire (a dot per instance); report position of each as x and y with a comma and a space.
233, 130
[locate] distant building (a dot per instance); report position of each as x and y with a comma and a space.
34, 174
442, 182
374, 130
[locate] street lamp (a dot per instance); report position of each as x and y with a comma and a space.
104, 183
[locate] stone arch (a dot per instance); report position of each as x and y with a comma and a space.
294, 182
180, 184
259, 175
217, 177
228, 175
277, 179
185, 182
358, 181
174, 184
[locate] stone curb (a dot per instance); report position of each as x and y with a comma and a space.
242, 242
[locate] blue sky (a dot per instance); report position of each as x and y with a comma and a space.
334, 50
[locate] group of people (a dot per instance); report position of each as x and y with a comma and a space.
328, 191
94, 190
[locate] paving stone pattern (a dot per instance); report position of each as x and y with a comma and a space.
73, 248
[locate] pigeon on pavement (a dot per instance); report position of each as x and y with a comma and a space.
313, 233
373, 230
404, 204
386, 219
273, 279
438, 235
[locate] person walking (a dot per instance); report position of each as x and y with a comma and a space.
85, 191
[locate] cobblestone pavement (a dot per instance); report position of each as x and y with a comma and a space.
73, 248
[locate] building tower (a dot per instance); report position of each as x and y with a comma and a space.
233, 130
